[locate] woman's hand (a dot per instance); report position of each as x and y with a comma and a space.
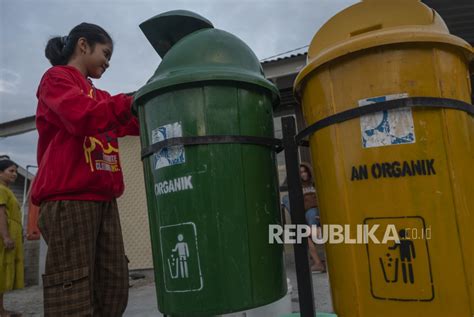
8, 243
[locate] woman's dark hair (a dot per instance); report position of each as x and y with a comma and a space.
6, 163
60, 49
307, 168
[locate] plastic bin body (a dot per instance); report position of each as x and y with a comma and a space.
410, 168
210, 205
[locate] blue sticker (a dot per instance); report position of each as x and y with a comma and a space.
387, 127
172, 155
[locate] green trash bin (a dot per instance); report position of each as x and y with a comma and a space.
209, 205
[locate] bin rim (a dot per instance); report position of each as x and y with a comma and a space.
189, 75
388, 36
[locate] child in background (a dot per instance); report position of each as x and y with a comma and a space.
311, 214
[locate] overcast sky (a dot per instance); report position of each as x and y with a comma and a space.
269, 27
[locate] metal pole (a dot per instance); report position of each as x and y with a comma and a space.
23, 205
295, 193
25, 186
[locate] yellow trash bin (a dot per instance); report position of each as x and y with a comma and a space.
408, 170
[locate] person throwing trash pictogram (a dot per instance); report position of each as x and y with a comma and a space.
407, 255
180, 261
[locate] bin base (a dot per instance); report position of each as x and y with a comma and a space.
317, 315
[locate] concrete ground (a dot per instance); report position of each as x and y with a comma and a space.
142, 300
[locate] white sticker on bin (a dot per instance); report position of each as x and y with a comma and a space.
172, 155
387, 127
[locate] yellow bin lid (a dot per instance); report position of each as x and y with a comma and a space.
372, 23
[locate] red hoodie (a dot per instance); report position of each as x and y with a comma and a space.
78, 126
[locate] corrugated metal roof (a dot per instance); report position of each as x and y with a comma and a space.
458, 15
296, 53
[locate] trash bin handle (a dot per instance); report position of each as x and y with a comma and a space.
412, 102
275, 144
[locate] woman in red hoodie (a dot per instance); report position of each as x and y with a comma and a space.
79, 177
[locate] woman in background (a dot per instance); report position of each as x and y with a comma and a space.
11, 242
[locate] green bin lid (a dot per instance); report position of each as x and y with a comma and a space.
165, 29
203, 54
